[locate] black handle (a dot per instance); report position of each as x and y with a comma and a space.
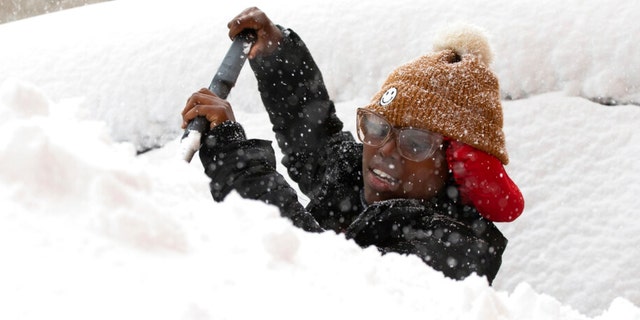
232, 64
224, 79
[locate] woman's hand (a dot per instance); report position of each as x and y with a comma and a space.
268, 35
206, 103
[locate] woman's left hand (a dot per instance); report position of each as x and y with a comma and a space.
206, 103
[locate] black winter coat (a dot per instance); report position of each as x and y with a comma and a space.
326, 164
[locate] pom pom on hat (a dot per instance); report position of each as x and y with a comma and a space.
464, 39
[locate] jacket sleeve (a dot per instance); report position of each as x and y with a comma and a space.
302, 115
453, 247
248, 166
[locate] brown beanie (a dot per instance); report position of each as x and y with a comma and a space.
450, 91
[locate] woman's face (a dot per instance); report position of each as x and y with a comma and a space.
388, 175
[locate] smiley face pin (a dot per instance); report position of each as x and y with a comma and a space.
388, 96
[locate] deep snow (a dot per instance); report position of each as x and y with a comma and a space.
89, 230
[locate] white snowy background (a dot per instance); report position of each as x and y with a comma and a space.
89, 230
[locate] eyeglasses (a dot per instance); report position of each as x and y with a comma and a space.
413, 144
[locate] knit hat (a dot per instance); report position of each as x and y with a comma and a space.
450, 91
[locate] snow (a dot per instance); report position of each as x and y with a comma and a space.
90, 230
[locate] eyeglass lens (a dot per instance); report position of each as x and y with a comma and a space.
413, 144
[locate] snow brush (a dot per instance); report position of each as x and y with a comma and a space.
224, 79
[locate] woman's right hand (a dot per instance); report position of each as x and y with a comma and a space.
206, 103
268, 34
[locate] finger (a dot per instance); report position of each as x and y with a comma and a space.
191, 102
214, 118
190, 114
255, 51
235, 26
198, 110
241, 16
242, 25
251, 18
203, 96
215, 114
206, 91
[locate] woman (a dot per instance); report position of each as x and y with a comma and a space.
428, 178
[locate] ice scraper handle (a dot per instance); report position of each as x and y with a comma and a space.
224, 79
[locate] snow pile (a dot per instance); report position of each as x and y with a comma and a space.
89, 230
131, 63
92, 231
577, 166
56, 165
